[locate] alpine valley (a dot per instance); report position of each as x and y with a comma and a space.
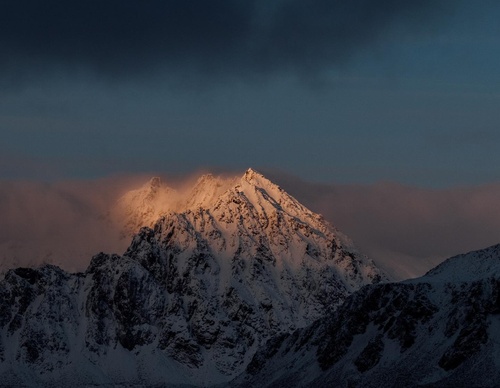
235, 283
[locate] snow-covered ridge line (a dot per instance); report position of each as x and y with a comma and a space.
145, 205
466, 267
155, 199
440, 330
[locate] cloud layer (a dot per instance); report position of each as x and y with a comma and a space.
406, 229
207, 38
63, 223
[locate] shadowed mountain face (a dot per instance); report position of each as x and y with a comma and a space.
438, 330
192, 298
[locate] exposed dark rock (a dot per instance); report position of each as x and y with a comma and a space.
371, 354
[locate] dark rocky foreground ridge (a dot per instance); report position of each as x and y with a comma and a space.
441, 330
189, 302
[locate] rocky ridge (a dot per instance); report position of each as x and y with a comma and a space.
440, 330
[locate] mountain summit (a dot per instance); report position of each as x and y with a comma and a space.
223, 269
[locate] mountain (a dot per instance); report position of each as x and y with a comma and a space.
441, 330
145, 205
223, 270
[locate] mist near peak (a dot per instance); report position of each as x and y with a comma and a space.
406, 230
145, 205
65, 223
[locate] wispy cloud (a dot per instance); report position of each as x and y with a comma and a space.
64, 223
407, 228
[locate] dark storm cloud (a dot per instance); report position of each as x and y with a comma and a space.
217, 37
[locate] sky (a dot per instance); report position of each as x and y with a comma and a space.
332, 91
339, 95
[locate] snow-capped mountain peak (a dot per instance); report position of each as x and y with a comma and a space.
143, 206
207, 189
155, 182
225, 266
247, 213
253, 177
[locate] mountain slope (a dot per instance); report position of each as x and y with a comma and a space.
442, 329
191, 299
